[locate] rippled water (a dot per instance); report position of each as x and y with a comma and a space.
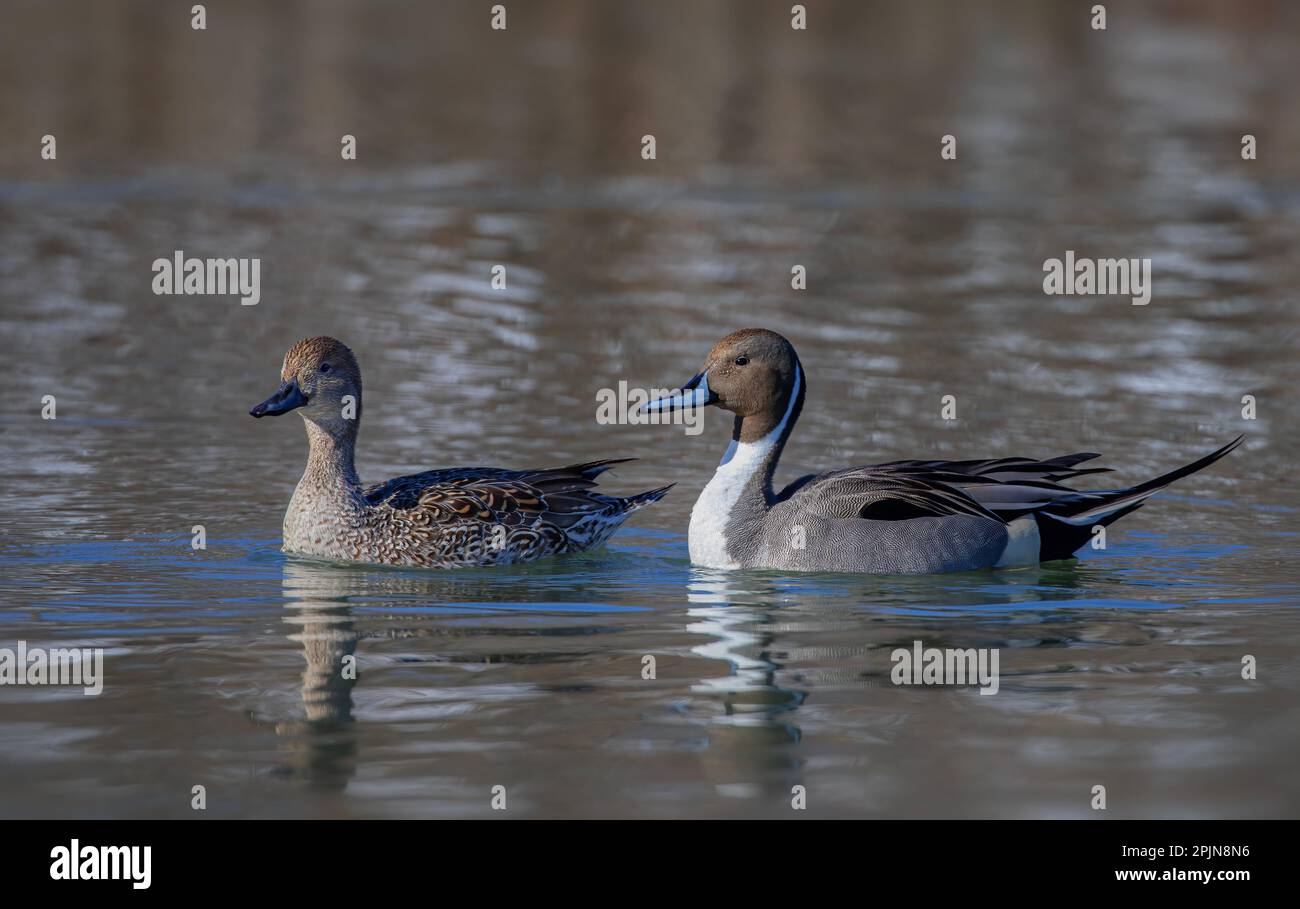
1122, 669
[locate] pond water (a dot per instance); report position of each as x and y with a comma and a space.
774, 148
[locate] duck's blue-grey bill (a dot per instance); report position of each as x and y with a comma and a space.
286, 398
694, 393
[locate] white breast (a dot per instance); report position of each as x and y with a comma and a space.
708, 532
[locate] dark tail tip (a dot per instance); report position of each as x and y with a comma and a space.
1062, 530
642, 499
593, 469
1188, 469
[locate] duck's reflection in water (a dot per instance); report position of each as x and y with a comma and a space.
324, 742
749, 753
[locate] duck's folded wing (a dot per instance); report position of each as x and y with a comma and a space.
1009, 487
885, 493
1006, 487
562, 494
405, 492
1010, 470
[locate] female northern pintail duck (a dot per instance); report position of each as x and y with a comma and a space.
463, 517
900, 517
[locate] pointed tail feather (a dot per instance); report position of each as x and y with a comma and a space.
596, 468
593, 469
642, 499
1067, 523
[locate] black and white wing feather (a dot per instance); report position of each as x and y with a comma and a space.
1002, 489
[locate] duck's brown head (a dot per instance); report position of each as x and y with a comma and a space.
320, 376
755, 374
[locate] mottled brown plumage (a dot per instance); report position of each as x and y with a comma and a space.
461, 517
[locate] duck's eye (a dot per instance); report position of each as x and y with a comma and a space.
324, 367
742, 360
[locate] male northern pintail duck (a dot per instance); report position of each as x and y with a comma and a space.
463, 517
911, 517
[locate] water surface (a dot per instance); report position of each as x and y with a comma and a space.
775, 148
